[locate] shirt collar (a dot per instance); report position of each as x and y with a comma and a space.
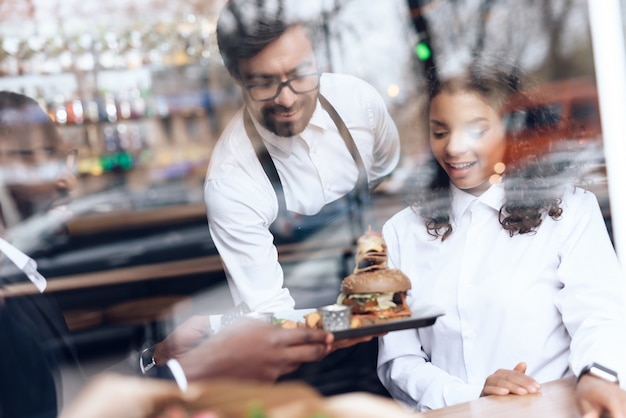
461, 200
24, 263
284, 145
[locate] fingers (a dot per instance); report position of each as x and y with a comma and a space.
349, 342
304, 353
297, 336
200, 323
503, 382
519, 384
520, 367
494, 390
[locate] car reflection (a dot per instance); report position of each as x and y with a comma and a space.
152, 245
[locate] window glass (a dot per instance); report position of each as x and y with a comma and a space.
140, 91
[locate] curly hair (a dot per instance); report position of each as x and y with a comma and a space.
533, 185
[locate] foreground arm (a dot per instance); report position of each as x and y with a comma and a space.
246, 349
593, 306
112, 395
409, 376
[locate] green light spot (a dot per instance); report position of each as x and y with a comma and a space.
422, 50
125, 161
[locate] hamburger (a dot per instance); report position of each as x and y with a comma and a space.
373, 289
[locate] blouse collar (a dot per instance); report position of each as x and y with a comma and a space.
462, 200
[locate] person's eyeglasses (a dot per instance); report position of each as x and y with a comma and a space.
299, 85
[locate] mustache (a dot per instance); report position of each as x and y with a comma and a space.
278, 109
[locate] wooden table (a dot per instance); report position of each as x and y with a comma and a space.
555, 400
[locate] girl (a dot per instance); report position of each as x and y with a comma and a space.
520, 261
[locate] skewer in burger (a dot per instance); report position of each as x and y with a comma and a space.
373, 289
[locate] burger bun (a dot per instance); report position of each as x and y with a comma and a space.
378, 281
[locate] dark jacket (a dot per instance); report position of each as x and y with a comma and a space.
34, 344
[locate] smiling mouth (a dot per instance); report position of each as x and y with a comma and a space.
461, 166
283, 112
285, 115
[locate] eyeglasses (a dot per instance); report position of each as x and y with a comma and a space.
299, 85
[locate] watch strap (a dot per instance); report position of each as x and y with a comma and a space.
146, 360
599, 371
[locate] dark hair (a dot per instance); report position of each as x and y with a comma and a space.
532, 185
19, 114
246, 27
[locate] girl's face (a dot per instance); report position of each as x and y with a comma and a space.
467, 137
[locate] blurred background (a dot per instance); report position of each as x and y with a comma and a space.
139, 89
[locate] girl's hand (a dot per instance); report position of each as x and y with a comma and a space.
505, 382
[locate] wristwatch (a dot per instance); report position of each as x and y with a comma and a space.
599, 371
146, 359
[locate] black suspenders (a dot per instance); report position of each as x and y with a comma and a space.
358, 196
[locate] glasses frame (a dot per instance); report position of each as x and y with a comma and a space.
280, 84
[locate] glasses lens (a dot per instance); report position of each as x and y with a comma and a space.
264, 91
300, 84
305, 83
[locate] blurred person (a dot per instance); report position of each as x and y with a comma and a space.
518, 258
250, 351
247, 349
304, 143
34, 339
35, 170
111, 395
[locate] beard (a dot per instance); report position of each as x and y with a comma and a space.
306, 105
284, 129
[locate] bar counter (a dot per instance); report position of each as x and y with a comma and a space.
554, 400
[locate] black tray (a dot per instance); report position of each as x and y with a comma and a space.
380, 326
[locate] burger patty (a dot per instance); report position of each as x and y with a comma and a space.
363, 304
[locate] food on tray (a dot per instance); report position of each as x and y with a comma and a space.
373, 289
313, 320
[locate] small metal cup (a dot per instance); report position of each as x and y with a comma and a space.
335, 317
261, 316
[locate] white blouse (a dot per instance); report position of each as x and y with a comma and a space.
555, 299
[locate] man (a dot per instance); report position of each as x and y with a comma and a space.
304, 143
33, 335
36, 169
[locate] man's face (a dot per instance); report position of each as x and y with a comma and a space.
34, 171
291, 55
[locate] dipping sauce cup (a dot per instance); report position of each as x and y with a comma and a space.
335, 317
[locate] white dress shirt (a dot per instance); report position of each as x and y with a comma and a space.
554, 299
315, 169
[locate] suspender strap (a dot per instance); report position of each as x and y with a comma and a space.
266, 160
361, 184
360, 190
